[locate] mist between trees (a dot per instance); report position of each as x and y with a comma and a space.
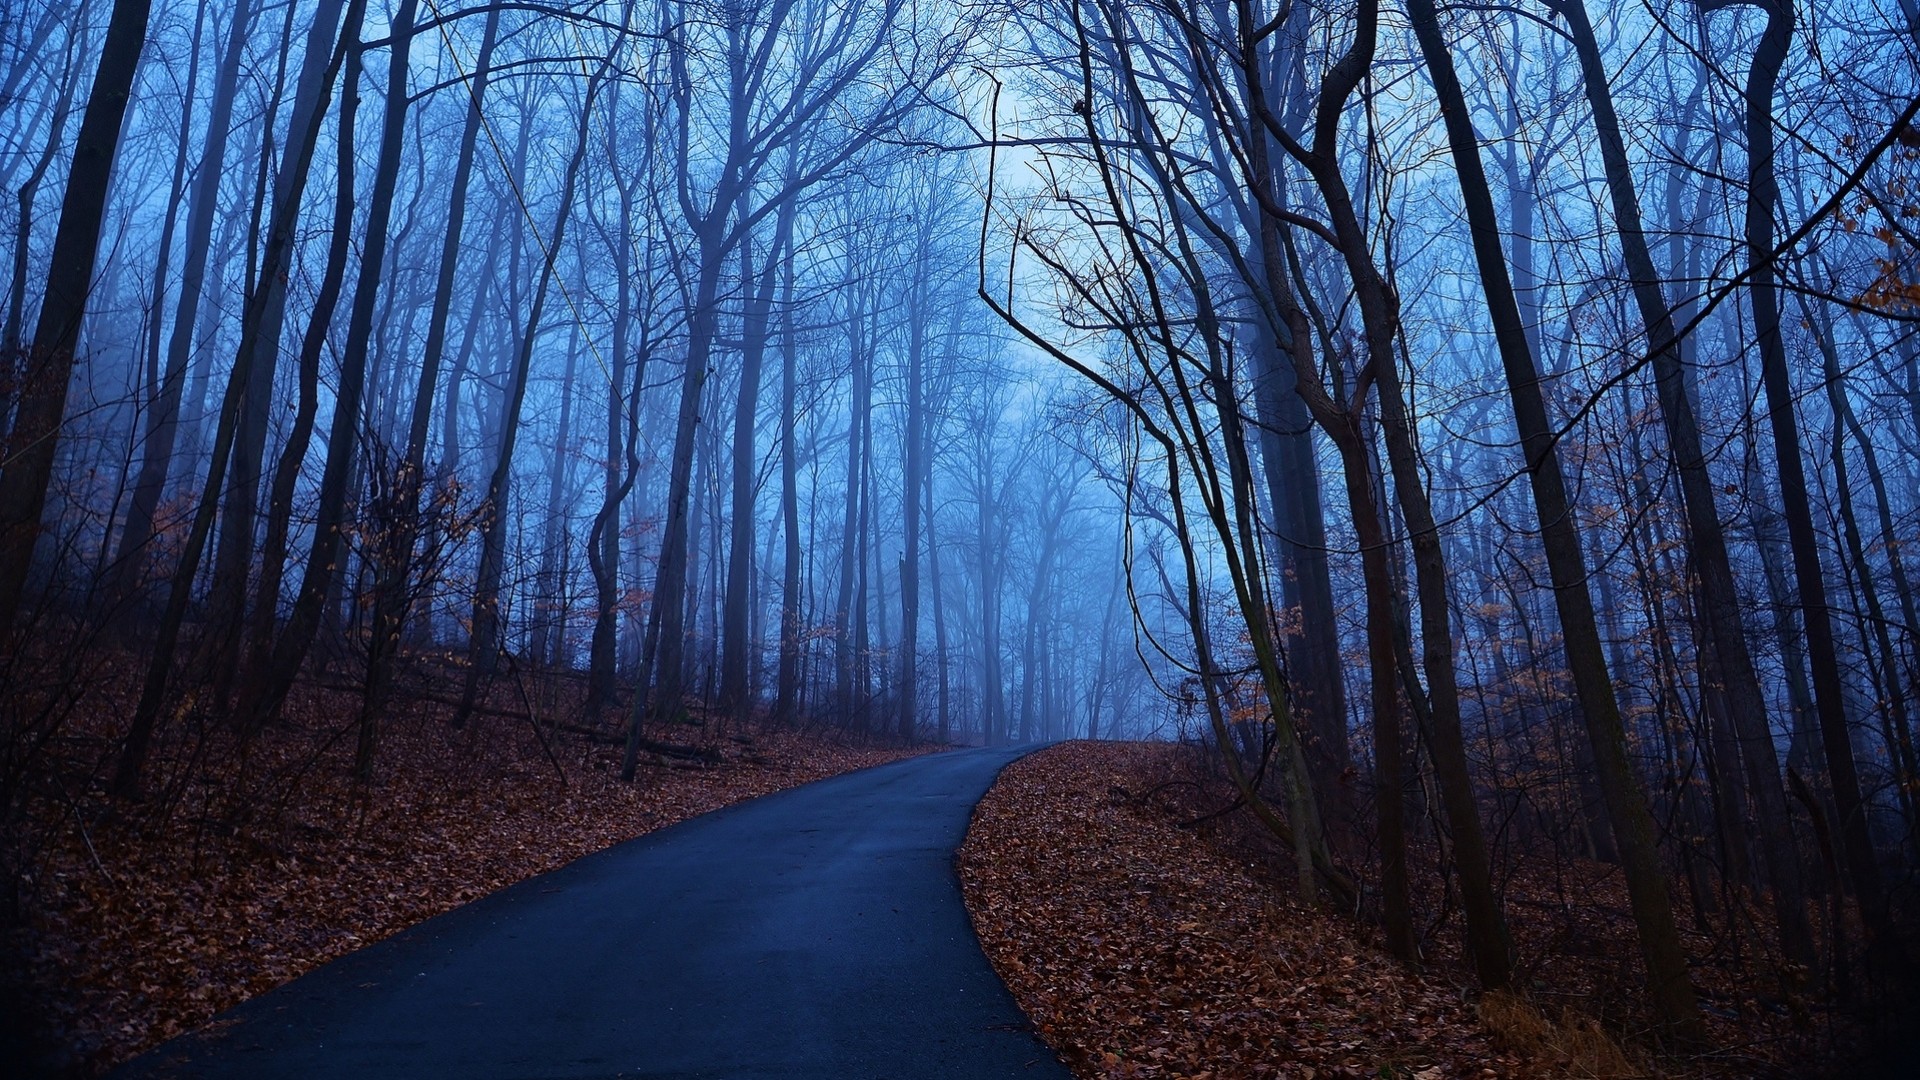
1501, 420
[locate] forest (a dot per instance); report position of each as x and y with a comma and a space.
1487, 430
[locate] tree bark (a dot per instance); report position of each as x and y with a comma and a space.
668, 608
483, 649
911, 483
736, 690
1712, 566
1670, 989
34, 437
1762, 194
133, 753
290, 649
29, 188
622, 467
395, 559
792, 616
163, 413
273, 549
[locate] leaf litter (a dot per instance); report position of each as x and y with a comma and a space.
1139, 951
1148, 930
140, 926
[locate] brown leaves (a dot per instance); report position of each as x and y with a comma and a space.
1140, 950
1143, 948
195, 917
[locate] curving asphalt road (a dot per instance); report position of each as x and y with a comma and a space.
818, 932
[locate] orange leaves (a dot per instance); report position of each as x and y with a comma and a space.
1142, 950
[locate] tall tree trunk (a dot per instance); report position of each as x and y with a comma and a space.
1728, 657
395, 559
30, 187
845, 651
549, 641
133, 754
881, 651
1670, 989
234, 557
163, 413
945, 728
1889, 543
1098, 690
34, 437
194, 405
987, 539
1804, 750
736, 690
254, 344
792, 617
1488, 941
621, 468
910, 483
1894, 704
484, 644
1292, 476
162, 263
1342, 424
864, 585
1762, 194
705, 458
330, 519
667, 617
1389, 752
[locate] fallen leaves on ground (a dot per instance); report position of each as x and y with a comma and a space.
137, 933
1144, 925
1140, 951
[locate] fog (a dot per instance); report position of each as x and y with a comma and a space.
998, 372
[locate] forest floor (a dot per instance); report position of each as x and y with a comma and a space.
237, 875
1148, 934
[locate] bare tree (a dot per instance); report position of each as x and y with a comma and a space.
34, 434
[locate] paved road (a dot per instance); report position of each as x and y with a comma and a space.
814, 933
